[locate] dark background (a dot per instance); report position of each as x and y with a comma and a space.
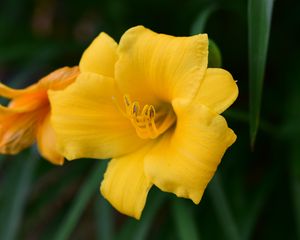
255, 193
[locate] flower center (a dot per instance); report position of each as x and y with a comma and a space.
147, 122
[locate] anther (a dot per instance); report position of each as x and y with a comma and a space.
144, 119
151, 112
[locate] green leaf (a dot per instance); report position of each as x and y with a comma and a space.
138, 230
259, 23
185, 220
295, 189
223, 209
88, 189
295, 181
202, 18
104, 219
268, 184
16, 189
214, 56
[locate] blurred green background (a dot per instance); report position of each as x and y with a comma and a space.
256, 191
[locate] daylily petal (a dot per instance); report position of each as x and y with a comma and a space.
87, 121
218, 90
17, 132
35, 96
4, 111
185, 159
25, 104
29, 102
156, 67
56, 80
9, 92
100, 57
59, 79
19, 121
125, 185
46, 141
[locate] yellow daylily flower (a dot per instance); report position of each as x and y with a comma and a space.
152, 105
27, 117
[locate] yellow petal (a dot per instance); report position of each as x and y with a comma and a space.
218, 90
17, 132
125, 185
59, 79
56, 80
4, 111
153, 67
100, 57
185, 159
46, 141
8, 92
29, 102
87, 121
35, 96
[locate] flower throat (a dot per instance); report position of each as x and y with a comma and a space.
147, 122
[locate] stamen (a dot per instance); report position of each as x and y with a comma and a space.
127, 100
144, 120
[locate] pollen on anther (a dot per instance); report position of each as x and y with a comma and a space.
135, 108
127, 101
144, 119
151, 112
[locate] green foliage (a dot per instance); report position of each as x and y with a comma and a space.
87, 190
259, 24
185, 221
215, 58
138, 230
14, 195
105, 223
222, 209
254, 195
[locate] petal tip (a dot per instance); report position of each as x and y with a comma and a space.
57, 161
118, 205
100, 56
231, 137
